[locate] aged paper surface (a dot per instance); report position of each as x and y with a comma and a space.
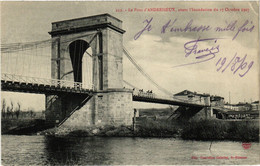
201, 47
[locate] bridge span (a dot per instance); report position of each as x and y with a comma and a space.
84, 59
17, 83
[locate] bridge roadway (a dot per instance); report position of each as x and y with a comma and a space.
16, 83
153, 98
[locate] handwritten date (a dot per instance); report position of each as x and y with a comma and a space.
235, 64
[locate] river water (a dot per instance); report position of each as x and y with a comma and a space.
43, 150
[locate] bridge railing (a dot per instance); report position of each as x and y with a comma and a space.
163, 97
42, 81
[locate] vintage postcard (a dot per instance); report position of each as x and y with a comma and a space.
130, 83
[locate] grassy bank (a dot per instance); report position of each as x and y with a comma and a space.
158, 128
201, 130
246, 131
221, 130
206, 130
22, 126
9, 124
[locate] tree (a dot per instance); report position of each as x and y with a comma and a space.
32, 114
43, 113
11, 109
8, 113
18, 110
3, 108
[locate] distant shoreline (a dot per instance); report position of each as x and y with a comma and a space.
203, 130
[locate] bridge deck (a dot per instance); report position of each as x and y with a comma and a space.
40, 88
153, 98
26, 84
51, 86
166, 101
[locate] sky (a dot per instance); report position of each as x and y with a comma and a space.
156, 52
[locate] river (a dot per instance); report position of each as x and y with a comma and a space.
43, 150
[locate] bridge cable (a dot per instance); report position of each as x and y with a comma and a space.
141, 70
14, 47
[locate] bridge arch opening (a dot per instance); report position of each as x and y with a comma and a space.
87, 68
82, 62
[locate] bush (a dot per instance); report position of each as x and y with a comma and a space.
9, 124
221, 130
243, 131
156, 128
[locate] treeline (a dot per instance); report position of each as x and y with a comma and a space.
206, 130
14, 111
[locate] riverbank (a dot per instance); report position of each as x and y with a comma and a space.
206, 130
103, 131
22, 126
246, 130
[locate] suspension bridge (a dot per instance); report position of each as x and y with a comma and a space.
82, 60
13, 81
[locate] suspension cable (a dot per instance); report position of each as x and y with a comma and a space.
15, 47
141, 70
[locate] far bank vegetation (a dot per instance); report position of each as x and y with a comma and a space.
13, 116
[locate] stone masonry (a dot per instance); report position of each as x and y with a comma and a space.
110, 103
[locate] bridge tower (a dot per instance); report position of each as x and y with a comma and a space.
89, 50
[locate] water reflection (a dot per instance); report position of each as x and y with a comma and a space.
41, 150
77, 150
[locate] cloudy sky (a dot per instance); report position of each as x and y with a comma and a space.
158, 53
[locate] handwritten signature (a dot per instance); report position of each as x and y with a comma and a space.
201, 54
192, 47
